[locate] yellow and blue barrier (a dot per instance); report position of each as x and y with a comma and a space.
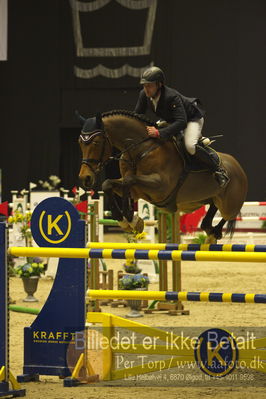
180, 247
176, 255
177, 296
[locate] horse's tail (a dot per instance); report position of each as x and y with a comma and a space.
230, 228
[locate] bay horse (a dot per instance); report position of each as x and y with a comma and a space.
153, 169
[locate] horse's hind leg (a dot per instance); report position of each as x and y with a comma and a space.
217, 230
214, 233
206, 224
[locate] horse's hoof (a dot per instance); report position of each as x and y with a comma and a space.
125, 225
211, 239
137, 224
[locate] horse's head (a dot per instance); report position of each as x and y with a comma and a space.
96, 149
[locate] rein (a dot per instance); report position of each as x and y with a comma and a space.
87, 138
133, 145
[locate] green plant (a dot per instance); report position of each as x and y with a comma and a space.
11, 265
199, 239
23, 222
263, 226
33, 267
133, 281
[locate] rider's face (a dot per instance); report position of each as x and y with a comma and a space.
151, 89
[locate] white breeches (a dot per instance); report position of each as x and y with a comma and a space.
192, 133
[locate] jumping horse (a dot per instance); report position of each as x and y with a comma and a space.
154, 170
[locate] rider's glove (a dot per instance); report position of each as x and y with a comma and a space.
153, 132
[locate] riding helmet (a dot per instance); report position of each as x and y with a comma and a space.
152, 74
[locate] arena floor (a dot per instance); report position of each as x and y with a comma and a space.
196, 276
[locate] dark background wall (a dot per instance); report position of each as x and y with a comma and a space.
211, 49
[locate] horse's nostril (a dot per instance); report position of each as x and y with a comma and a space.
88, 182
85, 181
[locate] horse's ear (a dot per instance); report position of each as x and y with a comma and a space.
80, 118
99, 122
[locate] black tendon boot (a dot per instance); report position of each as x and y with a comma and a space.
219, 173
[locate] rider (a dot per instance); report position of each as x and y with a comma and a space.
181, 113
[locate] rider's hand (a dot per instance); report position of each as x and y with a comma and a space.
152, 131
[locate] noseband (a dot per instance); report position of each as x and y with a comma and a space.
87, 138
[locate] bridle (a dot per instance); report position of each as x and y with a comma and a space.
88, 138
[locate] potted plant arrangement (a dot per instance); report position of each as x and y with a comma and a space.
50, 184
23, 222
138, 282
131, 266
31, 270
30, 273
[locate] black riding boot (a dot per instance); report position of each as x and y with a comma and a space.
220, 173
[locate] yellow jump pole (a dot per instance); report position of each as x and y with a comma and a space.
178, 296
180, 247
212, 256
94, 275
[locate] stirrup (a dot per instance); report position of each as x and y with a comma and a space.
221, 177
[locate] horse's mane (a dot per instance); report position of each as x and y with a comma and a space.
130, 114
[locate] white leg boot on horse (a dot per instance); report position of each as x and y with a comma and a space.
137, 224
124, 224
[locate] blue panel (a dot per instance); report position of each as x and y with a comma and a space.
53, 223
193, 296
239, 247
260, 248
141, 254
96, 253
3, 291
193, 247
215, 247
118, 253
47, 339
171, 296
238, 298
260, 298
171, 247
188, 255
165, 255
216, 297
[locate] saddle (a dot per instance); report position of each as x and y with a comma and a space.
191, 164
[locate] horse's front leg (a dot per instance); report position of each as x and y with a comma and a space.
125, 216
134, 221
123, 187
132, 186
110, 187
